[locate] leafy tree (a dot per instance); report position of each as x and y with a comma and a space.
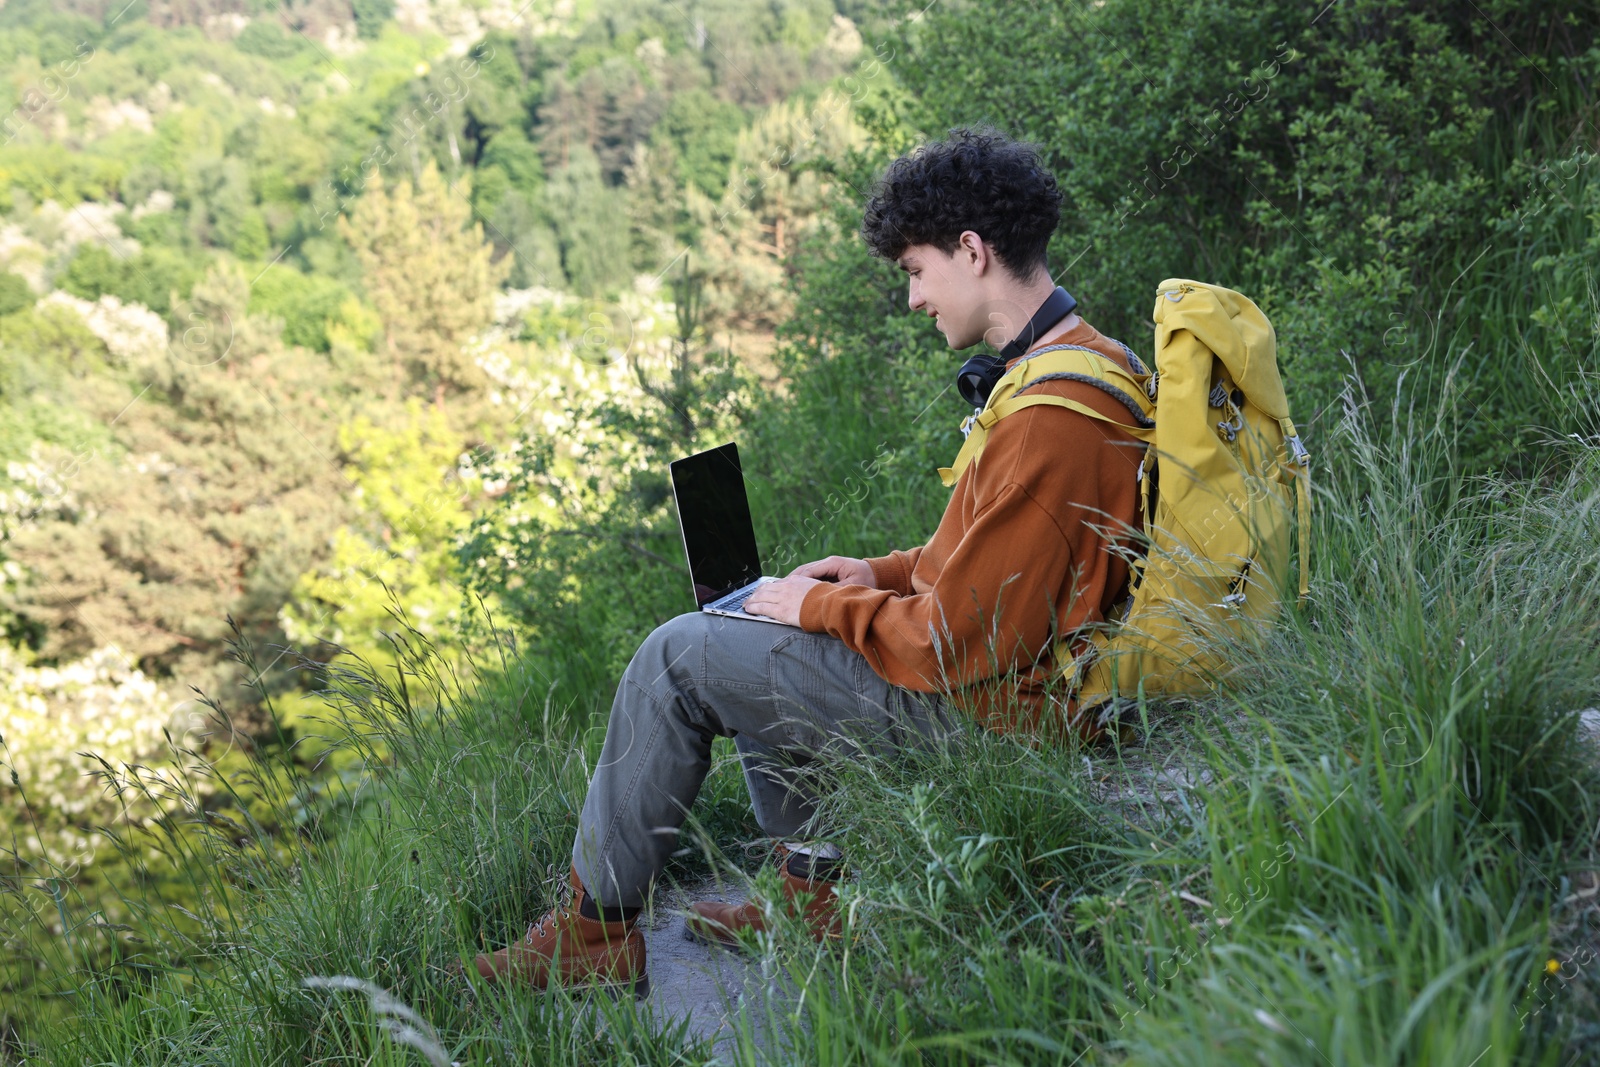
266, 38
50, 172
591, 222
430, 277
15, 293
370, 15
494, 84
510, 163
251, 240
222, 210
218, 489
156, 277
308, 304
704, 133
43, 345
522, 226
775, 197
44, 351
286, 160
410, 499
163, 234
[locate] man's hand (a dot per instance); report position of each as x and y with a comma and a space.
841, 569
781, 599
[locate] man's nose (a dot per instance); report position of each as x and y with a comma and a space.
914, 296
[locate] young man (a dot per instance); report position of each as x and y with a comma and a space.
885, 653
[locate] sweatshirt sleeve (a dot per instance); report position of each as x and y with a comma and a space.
893, 572
988, 612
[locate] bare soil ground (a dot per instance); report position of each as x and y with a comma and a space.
721, 993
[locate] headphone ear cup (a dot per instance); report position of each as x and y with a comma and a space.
979, 375
977, 378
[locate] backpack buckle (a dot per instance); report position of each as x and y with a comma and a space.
1236, 589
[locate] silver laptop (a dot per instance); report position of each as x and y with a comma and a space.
718, 536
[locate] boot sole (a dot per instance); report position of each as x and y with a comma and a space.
638, 984
710, 940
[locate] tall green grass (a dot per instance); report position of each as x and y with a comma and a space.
1367, 849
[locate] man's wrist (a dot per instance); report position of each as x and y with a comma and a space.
812, 608
889, 572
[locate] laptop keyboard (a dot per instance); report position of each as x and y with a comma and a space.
734, 601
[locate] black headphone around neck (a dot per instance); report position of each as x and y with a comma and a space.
979, 375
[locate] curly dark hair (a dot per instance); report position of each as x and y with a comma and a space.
978, 180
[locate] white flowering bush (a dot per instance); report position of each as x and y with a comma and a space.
38, 486
590, 356
90, 222
131, 331
158, 202
54, 721
464, 22
21, 254
607, 397
584, 354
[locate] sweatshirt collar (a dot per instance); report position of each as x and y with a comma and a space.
1080, 333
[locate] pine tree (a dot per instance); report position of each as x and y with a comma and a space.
430, 276
777, 195
219, 485
591, 221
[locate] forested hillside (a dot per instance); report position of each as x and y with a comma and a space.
343, 347
283, 284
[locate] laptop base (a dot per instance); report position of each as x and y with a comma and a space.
738, 597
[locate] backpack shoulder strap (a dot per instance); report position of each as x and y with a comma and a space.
1097, 365
1097, 370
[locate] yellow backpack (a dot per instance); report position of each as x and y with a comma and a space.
1222, 475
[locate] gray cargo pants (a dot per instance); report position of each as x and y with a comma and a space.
784, 694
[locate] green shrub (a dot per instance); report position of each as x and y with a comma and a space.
15, 293
264, 37
41, 345
370, 16
156, 277
307, 303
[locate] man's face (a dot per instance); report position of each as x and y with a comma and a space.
946, 286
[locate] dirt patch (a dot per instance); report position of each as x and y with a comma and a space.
725, 996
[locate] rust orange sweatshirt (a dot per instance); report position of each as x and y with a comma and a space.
1020, 556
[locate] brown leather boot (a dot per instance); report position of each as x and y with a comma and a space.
814, 900
565, 948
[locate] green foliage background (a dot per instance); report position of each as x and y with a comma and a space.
639, 242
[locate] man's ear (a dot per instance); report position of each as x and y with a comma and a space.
973, 253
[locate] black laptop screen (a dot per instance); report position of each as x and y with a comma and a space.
714, 514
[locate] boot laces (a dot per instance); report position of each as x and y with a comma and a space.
536, 931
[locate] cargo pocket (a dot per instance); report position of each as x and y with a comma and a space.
800, 689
